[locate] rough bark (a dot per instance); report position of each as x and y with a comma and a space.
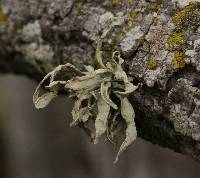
160, 45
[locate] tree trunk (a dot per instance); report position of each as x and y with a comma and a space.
160, 44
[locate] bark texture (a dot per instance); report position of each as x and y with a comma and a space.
160, 44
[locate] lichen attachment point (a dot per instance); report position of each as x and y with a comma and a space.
99, 94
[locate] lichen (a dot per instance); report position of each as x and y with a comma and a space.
116, 2
155, 5
133, 15
93, 90
95, 22
31, 32
184, 104
193, 55
152, 64
131, 38
178, 60
156, 18
176, 38
130, 2
33, 48
105, 18
183, 14
183, 3
78, 6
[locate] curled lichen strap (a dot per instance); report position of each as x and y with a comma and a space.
128, 115
102, 117
104, 89
43, 100
39, 100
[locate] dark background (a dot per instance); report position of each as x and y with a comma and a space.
40, 144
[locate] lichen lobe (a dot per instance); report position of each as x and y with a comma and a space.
94, 90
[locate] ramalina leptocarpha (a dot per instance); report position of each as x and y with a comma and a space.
92, 90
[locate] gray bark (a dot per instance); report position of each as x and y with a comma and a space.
160, 45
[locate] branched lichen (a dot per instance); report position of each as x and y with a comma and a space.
94, 91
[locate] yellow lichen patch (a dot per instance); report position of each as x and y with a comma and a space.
155, 5
178, 60
2, 17
116, 2
184, 13
156, 19
130, 2
78, 6
176, 38
152, 64
133, 15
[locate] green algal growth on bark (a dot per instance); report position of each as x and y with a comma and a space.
94, 90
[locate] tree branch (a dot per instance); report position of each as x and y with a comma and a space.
160, 44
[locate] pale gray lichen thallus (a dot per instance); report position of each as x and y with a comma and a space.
92, 90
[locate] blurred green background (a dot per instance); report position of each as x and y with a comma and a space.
40, 144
